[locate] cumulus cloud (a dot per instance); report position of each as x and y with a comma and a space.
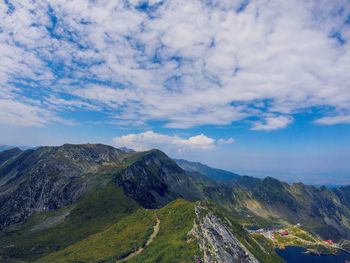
183, 63
149, 139
271, 123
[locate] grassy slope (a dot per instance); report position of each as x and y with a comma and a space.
130, 233
176, 220
114, 243
96, 212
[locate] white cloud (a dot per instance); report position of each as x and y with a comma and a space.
170, 143
186, 63
271, 123
226, 141
331, 120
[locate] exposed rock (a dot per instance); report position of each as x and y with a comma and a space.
154, 180
216, 241
48, 178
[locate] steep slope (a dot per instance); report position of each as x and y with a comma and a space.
212, 173
51, 177
4, 148
8, 154
125, 236
46, 232
154, 180
116, 242
216, 240
323, 211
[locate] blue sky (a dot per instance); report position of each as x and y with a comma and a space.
257, 87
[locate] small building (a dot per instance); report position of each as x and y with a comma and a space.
329, 241
284, 233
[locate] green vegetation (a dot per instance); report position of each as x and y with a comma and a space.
94, 213
114, 243
171, 244
104, 227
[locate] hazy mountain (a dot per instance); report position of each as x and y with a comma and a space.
212, 173
7, 147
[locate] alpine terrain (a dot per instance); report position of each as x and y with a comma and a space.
97, 203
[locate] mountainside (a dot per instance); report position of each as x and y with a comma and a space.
323, 211
212, 173
53, 177
5, 147
50, 178
96, 203
8, 147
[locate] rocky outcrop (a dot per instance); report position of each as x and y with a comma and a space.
155, 180
216, 241
48, 178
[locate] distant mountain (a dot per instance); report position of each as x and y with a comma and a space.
212, 173
127, 150
7, 147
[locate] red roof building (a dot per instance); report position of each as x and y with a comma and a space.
329, 241
284, 233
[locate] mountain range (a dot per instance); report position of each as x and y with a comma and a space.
60, 204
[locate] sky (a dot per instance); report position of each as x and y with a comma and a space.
257, 87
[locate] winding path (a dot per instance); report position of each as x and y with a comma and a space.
149, 241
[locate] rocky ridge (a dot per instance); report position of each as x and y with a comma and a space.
216, 242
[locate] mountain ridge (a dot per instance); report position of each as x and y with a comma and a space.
47, 190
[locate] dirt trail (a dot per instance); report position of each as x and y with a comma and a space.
149, 241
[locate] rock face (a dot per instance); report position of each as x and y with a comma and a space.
48, 178
216, 242
154, 180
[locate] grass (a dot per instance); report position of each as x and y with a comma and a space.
114, 243
171, 244
94, 213
104, 227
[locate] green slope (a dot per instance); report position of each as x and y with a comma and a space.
132, 232
114, 243
171, 244
93, 214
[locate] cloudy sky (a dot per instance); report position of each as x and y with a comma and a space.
260, 87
